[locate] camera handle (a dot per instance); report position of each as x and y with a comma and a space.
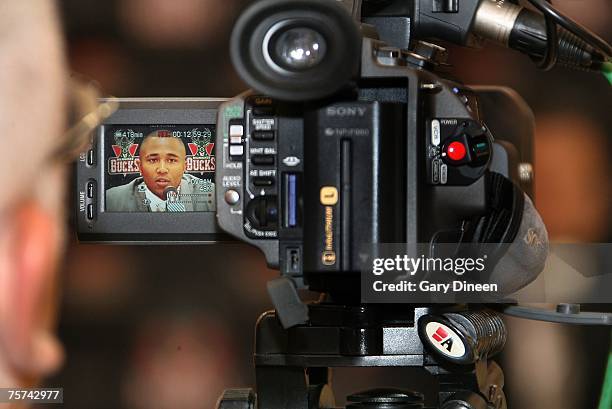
564, 314
293, 363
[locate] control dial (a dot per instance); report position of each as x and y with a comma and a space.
262, 212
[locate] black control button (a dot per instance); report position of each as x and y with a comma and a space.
90, 157
435, 171
263, 135
91, 212
91, 189
264, 124
262, 212
263, 181
262, 160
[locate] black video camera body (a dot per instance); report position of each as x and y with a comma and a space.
360, 143
311, 184
354, 138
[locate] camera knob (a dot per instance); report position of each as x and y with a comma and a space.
466, 400
463, 338
262, 212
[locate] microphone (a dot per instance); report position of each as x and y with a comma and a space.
170, 192
512, 234
525, 256
524, 30
171, 196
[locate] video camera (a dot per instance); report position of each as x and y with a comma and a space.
355, 137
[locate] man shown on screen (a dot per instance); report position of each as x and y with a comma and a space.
162, 167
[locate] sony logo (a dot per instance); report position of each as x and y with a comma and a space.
346, 111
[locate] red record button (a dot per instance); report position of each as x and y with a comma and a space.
455, 151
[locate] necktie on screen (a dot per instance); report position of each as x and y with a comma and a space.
175, 207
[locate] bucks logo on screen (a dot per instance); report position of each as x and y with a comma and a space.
124, 149
201, 147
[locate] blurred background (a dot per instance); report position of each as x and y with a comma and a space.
171, 327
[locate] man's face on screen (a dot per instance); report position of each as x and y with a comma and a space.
162, 163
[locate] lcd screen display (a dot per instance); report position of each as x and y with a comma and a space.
159, 168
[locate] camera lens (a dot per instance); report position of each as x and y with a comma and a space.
298, 49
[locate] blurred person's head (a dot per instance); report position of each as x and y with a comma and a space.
32, 113
161, 162
573, 186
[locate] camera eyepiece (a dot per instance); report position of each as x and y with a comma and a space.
296, 50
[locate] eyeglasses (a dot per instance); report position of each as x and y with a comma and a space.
87, 110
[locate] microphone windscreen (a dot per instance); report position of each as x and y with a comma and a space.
173, 204
170, 190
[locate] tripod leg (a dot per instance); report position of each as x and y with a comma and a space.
319, 387
282, 387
